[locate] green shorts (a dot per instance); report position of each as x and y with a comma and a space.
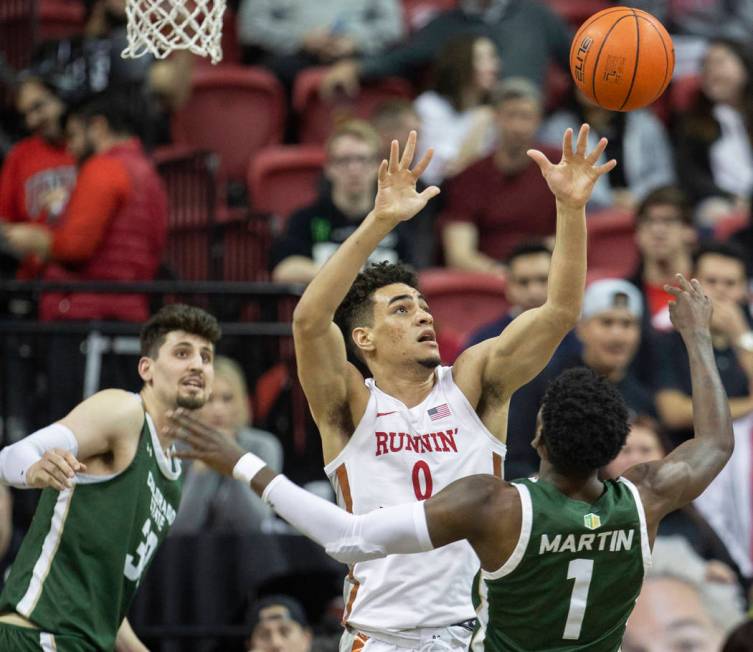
24, 639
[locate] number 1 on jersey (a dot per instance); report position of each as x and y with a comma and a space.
423, 468
581, 571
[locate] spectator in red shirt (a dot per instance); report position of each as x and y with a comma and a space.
665, 237
502, 199
38, 174
114, 226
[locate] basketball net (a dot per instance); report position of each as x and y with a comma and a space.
159, 27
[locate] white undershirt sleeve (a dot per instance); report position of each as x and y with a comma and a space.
350, 538
15, 460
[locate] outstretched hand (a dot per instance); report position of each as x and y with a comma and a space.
212, 447
573, 178
397, 199
690, 310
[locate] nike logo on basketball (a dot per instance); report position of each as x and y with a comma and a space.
384, 414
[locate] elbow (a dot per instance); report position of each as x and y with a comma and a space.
307, 321
564, 316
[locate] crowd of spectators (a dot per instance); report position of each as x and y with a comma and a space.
80, 199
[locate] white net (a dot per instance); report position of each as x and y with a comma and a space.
160, 26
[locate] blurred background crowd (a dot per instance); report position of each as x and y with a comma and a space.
256, 169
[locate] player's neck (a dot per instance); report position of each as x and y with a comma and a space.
158, 412
408, 385
587, 488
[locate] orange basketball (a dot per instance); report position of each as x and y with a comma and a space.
622, 58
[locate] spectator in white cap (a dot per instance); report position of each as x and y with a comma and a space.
610, 330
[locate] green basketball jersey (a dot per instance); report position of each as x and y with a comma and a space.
89, 546
574, 576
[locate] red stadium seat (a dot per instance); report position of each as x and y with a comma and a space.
24, 23
234, 111
461, 302
419, 12
575, 12
245, 246
283, 178
190, 181
683, 91
317, 116
557, 85
730, 224
611, 242
60, 19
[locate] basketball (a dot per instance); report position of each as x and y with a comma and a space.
622, 58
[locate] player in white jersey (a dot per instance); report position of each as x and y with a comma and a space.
416, 426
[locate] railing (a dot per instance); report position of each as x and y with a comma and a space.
249, 313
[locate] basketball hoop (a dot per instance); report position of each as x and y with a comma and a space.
159, 27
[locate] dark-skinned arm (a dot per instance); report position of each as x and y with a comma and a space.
685, 473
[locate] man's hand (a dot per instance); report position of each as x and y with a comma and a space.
27, 239
56, 470
342, 76
690, 310
212, 447
397, 200
573, 178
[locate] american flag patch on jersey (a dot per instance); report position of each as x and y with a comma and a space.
439, 412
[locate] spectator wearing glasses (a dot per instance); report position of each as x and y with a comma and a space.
314, 232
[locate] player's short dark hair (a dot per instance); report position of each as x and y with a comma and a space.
357, 308
665, 196
177, 317
718, 248
527, 248
584, 421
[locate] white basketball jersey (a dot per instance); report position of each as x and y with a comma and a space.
399, 455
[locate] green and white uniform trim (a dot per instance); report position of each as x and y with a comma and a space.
573, 577
89, 546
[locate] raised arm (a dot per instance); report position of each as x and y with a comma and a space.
327, 378
685, 473
499, 366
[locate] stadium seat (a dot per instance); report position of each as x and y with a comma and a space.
245, 245
682, 92
189, 177
557, 85
59, 19
730, 224
234, 111
283, 178
461, 302
419, 12
611, 242
575, 12
316, 117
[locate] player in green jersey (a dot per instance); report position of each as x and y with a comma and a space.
563, 556
111, 489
